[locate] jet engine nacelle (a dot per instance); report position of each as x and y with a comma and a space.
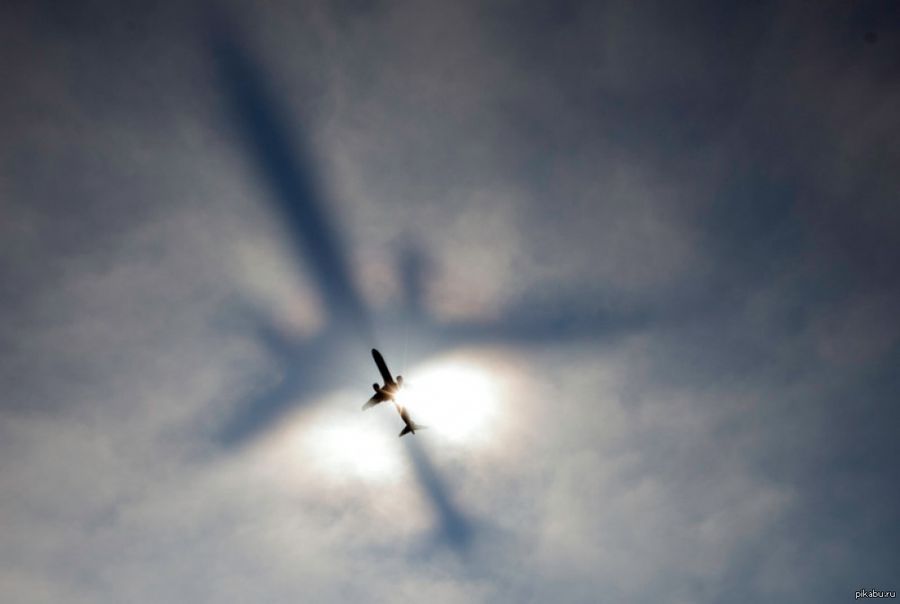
376, 387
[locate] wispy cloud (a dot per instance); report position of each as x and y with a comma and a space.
666, 232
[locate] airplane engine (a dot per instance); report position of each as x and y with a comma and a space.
375, 387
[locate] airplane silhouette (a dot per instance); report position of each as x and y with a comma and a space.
391, 387
388, 392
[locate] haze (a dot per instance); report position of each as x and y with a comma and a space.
637, 263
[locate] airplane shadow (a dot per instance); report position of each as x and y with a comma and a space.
309, 367
453, 528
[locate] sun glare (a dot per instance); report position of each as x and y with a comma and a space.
350, 443
456, 399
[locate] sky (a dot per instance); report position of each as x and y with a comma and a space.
638, 263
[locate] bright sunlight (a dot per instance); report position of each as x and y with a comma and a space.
456, 399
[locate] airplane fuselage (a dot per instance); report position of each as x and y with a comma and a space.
388, 392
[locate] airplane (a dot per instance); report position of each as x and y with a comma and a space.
388, 392
390, 388
411, 426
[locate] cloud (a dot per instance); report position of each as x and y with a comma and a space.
724, 176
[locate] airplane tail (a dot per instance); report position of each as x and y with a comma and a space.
406, 429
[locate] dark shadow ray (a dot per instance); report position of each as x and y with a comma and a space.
519, 326
262, 411
453, 528
309, 367
286, 166
414, 269
533, 320
274, 144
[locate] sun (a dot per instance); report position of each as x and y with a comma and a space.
344, 443
458, 399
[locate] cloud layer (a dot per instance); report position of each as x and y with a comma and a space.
667, 234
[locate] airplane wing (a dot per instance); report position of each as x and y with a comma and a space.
377, 398
382, 367
405, 430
